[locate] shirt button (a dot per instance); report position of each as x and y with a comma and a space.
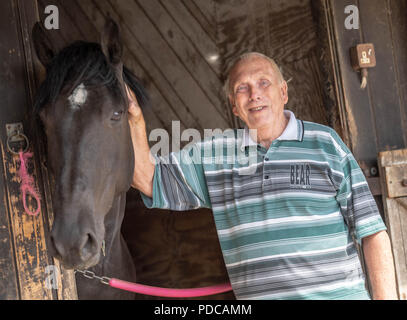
266, 177
266, 159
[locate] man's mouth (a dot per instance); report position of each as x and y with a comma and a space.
257, 109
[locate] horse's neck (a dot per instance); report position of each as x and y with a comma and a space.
116, 253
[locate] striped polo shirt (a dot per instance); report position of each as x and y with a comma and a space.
285, 216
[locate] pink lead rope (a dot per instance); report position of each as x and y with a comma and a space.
27, 184
169, 293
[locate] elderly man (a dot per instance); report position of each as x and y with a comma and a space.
287, 222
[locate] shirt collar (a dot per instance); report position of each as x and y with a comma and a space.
293, 131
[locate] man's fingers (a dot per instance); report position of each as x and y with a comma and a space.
134, 108
131, 96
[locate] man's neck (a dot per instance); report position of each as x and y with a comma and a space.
266, 135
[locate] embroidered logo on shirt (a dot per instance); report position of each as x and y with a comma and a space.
300, 175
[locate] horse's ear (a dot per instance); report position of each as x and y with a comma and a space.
43, 46
111, 42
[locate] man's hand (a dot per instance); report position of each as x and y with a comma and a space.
135, 113
144, 164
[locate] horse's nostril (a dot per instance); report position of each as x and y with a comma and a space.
57, 250
89, 247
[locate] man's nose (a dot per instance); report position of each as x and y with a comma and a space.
255, 94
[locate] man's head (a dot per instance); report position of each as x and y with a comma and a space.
256, 90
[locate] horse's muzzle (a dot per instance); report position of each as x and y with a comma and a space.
83, 252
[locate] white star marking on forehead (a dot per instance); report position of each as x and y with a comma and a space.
78, 97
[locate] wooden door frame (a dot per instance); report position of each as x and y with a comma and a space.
24, 246
356, 130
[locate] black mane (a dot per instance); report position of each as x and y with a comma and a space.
84, 62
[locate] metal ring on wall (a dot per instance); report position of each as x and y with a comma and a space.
17, 134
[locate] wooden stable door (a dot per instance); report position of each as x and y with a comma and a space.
374, 119
393, 172
27, 271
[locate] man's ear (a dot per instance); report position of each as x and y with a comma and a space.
284, 91
111, 42
42, 45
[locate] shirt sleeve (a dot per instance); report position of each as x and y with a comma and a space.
356, 201
179, 182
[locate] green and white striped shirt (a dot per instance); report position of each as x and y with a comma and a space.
284, 219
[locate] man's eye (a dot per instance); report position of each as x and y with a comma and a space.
264, 83
241, 88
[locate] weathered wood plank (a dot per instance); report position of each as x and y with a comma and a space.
396, 220
397, 11
77, 18
207, 7
195, 100
28, 236
395, 177
209, 27
393, 158
303, 89
8, 279
382, 83
195, 33
326, 60
70, 30
14, 93
255, 25
186, 52
394, 164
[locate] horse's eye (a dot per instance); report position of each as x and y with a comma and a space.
117, 115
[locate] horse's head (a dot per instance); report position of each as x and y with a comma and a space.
83, 105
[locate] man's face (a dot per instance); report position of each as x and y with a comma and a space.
257, 95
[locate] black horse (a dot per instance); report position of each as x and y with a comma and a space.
83, 105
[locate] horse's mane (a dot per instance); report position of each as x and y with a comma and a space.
84, 62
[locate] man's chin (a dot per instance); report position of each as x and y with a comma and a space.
259, 124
